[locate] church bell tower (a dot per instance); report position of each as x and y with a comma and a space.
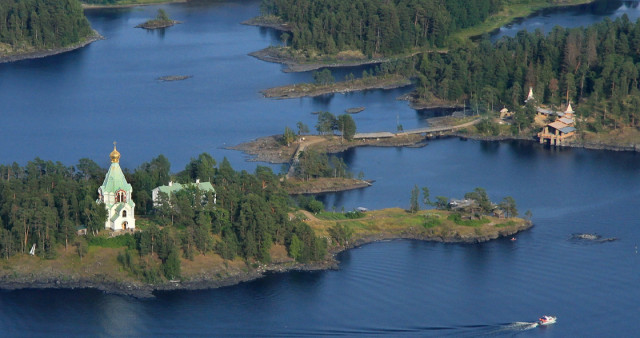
116, 194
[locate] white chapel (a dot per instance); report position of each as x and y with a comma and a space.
116, 194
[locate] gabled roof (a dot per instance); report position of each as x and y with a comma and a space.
168, 189
567, 130
115, 180
557, 125
566, 120
545, 111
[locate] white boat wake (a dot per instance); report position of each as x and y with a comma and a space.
522, 326
512, 328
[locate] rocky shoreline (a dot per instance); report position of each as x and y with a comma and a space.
142, 290
633, 147
273, 23
319, 187
50, 52
268, 149
270, 54
313, 90
158, 24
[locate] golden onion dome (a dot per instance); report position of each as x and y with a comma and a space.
115, 155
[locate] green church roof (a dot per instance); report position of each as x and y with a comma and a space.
168, 189
115, 180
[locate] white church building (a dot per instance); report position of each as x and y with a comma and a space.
116, 194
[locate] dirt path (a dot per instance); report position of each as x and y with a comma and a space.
296, 156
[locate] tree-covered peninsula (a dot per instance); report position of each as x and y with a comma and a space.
189, 238
366, 29
375, 27
31, 26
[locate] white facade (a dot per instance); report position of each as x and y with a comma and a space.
116, 194
120, 215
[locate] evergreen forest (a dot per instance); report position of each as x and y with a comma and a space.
597, 67
44, 202
28, 24
376, 27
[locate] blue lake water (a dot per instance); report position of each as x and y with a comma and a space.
571, 17
74, 105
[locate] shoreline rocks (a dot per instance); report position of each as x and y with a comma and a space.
145, 291
51, 52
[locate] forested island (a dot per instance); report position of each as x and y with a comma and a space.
161, 20
322, 32
190, 239
37, 28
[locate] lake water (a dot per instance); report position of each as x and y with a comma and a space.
571, 17
74, 105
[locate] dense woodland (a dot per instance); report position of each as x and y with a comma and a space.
376, 26
42, 23
597, 67
43, 202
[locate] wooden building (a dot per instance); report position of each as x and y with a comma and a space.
557, 132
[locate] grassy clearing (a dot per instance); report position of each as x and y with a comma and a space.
505, 224
426, 223
327, 215
457, 219
431, 221
123, 241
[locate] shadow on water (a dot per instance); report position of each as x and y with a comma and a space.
489, 147
608, 7
348, 156
159, 32
434, 112
323, 100
524, 150
272, 33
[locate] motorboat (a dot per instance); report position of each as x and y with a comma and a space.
547, 320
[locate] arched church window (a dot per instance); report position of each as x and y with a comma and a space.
124, 213
121, 196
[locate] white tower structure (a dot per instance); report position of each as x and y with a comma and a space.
116, 194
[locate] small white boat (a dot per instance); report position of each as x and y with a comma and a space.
547, 320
